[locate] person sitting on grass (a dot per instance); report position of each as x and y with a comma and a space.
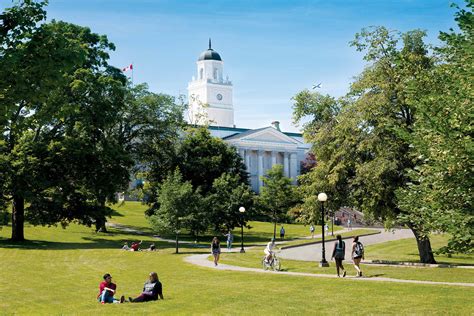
107, 291
125, 246
152, 290
152, 248
136, 246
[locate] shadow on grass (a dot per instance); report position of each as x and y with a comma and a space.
99, 242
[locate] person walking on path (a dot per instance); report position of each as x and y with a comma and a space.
230, 240
338, 255
282, 232
311, 230
357, 254
216, 250
152, 290
349, 224
326, 229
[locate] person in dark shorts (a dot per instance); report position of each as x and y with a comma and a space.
152, 290
357, 254
338, 255
216, 250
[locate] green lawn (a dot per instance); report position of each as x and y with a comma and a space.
131, 213
58, 271
406, 250
252, 259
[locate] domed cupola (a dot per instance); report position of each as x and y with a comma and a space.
209, 54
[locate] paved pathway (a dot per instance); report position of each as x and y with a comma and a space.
202, 260
313, 252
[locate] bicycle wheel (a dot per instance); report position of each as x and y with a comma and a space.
264, 264
276, 265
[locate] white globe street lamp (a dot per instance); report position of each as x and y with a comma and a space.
242, 211
322, 197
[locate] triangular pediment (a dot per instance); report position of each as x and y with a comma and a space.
264, 135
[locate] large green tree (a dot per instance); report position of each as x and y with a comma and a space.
59, 101
178, 202
277, 195
441, 185
359, 140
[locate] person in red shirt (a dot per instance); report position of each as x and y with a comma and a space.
135, 246
107, 291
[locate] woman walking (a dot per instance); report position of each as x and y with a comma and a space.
338, 255
216, 249
357, 254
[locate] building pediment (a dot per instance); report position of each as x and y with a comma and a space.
263, 135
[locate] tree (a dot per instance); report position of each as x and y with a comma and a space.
203, 158
441, 185
177, 202
359, 140
58, 104
228, 194
277, 195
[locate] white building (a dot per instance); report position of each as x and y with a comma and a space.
210, 100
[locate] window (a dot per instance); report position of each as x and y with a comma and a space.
201, 73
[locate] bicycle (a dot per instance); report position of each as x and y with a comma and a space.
274, 264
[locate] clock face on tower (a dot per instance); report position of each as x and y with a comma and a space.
219, 96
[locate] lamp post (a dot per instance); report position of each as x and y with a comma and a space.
242, 211
332, 223
322, 197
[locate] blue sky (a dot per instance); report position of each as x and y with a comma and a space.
271, 49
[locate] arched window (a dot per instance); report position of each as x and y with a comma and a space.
201, 73
215, 73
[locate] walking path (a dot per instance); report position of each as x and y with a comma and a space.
313, 252
202, 260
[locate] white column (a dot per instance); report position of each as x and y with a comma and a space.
286, 165
242, 153
247, 160
293, 167
260, 169
274, 158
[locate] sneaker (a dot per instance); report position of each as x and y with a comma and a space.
122, 299
344, 274
103, 303
360, 274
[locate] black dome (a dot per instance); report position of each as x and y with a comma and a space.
209, 54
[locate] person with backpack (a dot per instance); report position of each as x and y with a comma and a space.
357, 254
338, 255
311, 230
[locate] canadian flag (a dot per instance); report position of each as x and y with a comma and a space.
129, 67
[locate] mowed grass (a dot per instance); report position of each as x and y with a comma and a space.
252, 259
131, 213
59, 272
406, 250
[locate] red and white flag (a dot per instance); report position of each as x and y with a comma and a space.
129, 67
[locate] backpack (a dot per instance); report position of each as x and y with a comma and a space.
359, 249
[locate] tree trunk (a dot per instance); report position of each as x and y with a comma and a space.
100, 225
18, 218
424, 248
274, 225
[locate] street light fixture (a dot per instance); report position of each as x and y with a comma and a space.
242, 211
322, 197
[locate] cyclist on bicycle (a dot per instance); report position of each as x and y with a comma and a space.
269, 250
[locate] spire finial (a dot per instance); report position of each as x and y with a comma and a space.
210, 43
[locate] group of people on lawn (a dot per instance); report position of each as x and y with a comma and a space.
152, 290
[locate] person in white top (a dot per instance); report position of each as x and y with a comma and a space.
269, 250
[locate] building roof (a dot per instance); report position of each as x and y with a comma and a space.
209, 54
238, 130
